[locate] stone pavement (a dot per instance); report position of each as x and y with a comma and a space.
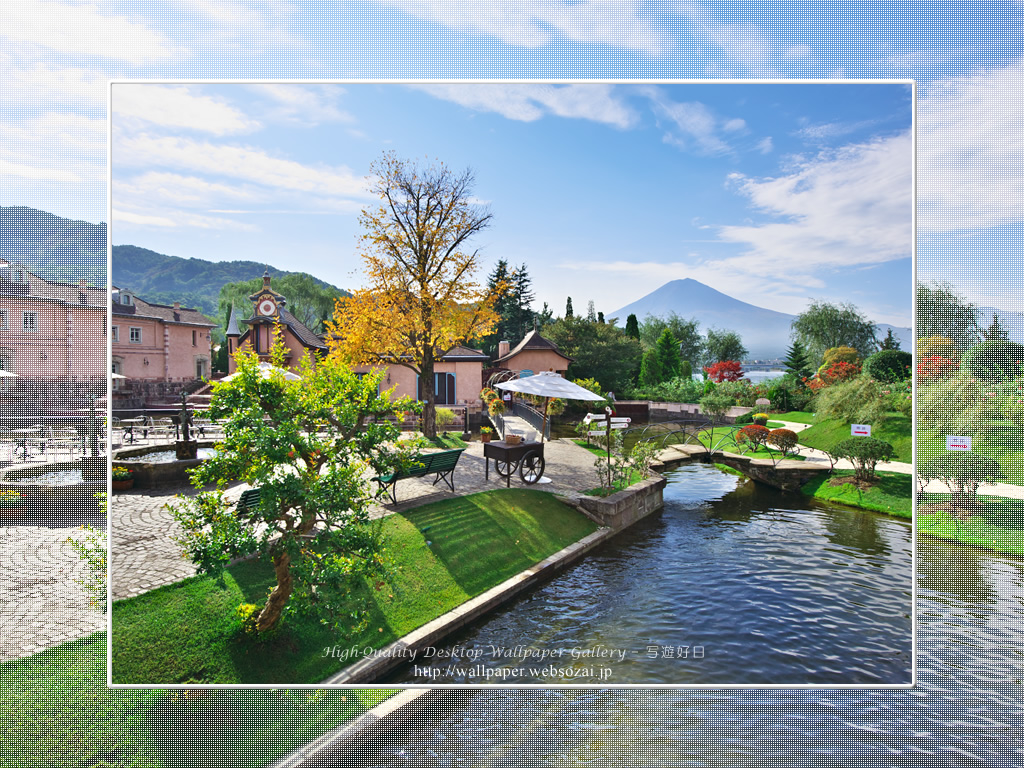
40, 603
144, 555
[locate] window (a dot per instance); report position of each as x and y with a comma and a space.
3, 318
30, 321
444, 389
135, 335
115, 335
200, 367
194, 343
19, 276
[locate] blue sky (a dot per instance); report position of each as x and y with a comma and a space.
774, 193
727, 228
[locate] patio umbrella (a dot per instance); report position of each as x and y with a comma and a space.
117, 376
548, 384
266, 370
4, 373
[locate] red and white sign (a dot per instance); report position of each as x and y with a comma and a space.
955, 443
860, 430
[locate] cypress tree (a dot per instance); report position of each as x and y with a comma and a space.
650, 369
668, 355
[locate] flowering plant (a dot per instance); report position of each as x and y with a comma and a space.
121, 473
9, 498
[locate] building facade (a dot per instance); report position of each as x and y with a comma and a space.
51, 331
157, 342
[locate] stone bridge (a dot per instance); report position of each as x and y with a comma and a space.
785, 474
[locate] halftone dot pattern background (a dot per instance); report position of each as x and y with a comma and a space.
966, 709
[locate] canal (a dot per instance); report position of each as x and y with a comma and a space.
732, 583
964, 711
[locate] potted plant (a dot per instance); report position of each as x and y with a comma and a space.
485, 434
11, 501
121, 479
759, 418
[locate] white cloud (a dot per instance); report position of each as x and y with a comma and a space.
237, 162
306, 104
765, 146
123, 216
175, 106
597, 102
795, 53
847, 208
971, 151
56, 146
82, 29
534, 23
692, 125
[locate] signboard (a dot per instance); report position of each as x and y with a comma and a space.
860, 430
525, 372
955, 443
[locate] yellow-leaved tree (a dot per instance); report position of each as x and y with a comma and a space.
422, 296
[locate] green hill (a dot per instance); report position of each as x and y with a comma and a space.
53, 247
196, 283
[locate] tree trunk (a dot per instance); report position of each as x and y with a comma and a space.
427, 385
271, 613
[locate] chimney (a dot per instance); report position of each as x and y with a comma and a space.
502, 348
177, 306
83, 283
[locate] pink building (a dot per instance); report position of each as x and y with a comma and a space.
156, 342
532, 355
50, 330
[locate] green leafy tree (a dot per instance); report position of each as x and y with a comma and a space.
514, 292
686, 332
632, 327
685, 370
995, 330
890, 341
890, 365
668, 355
602, 352
591, 314
650, 369
864, 453
720, 346
311, 301
568, 307
941, 311
858, 401
823, 326
996, 360
309, 446
962, 472
796, 361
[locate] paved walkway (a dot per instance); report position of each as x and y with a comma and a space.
144, 555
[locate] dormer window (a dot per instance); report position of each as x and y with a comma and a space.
126, 298
18, 275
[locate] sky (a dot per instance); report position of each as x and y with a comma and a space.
774, 193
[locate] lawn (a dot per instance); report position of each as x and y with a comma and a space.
57, 710
1001, 440
999, 526
798, 417
892, 494
442, 555
896, 430
634, 475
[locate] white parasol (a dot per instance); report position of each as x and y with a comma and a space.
550, 385
266, 371
4, 373
117, 376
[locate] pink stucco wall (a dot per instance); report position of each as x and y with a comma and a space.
467, 380
68, 341
537, 360
165, 351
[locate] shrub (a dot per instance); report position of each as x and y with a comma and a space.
889, 365
741, 392
936, 346
783, 439
864, 453
959, 405
744, 418
995, 360
753, 435
838, 372
962, 472
835, 355
120, 473
444, 417
935, 367
859, 401
726, 370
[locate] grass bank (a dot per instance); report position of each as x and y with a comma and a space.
442, 555
998, 524
892, 494
57, 710
896, 430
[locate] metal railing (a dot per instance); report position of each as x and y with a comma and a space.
533, 417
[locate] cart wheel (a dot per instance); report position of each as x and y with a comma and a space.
504, 468
532, 468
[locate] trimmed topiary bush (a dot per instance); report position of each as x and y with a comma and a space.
962, 472
889, 365
995, 360
753, 436
864, 453
783, 439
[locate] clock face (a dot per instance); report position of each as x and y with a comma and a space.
266, 307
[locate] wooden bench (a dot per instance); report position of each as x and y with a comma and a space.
248, 502
442, 464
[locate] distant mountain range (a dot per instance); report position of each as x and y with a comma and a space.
765, 332
57, 249
196, 283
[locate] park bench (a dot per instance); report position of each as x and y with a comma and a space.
248, 502
442, 464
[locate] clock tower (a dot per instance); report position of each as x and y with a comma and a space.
267, 302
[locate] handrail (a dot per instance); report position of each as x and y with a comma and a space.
533, 417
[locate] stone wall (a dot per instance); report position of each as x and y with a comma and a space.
624, 508
31, 397
137, 395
